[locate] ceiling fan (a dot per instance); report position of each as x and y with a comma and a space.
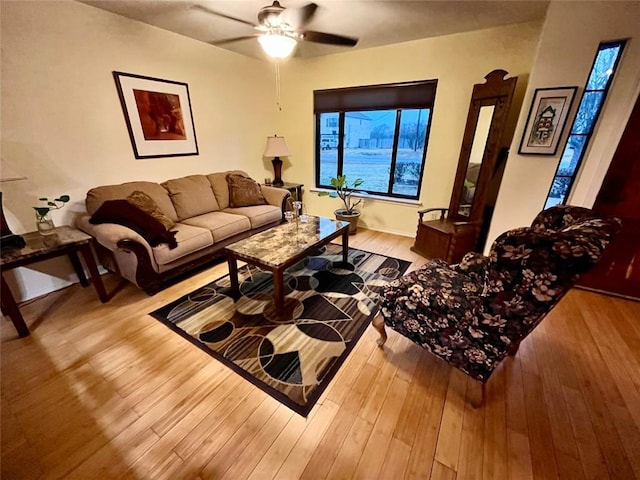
280, 29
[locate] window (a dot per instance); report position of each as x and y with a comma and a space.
378, 133
332, 122
595, 92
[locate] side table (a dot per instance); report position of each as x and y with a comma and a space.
66, 241
294, 188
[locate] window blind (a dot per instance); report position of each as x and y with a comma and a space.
418, 94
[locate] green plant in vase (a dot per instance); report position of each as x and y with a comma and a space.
344, 191
43, 218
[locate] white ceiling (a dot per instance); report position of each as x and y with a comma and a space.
373, 22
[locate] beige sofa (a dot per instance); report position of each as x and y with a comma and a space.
205, 224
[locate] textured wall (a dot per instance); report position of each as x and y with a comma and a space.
568, 45
63, 126
456, 61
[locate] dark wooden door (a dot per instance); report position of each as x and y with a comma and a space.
618, 271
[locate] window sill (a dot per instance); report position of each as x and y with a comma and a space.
378, 198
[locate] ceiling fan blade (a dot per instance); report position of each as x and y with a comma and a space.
223, 15
299, 17
328, 38
217, 43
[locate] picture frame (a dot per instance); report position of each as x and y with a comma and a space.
158, 116
546, 120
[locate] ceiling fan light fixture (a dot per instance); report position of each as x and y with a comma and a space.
277, 45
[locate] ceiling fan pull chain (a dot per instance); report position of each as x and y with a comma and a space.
278, 85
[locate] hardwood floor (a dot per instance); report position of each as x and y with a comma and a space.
105, 391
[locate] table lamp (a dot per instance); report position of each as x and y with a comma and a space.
276, 148
8, 239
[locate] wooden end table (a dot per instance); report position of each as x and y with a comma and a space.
66, 241
294, 188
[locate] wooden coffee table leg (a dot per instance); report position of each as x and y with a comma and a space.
345, 246
233, 275
278, 290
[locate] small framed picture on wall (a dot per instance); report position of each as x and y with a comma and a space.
546, 120
158, 116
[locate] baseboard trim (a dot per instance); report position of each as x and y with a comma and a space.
610, 294
384, 230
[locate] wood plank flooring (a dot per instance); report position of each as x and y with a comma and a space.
106, 391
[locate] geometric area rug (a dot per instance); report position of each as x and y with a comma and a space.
292, 358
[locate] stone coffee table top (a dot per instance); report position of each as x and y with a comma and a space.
279, 244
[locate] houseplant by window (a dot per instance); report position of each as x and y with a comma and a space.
344, 191
43, 218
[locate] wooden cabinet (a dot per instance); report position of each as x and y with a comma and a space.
445, 239
477, 177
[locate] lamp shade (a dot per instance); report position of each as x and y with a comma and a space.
276, 147
276, 45
8, 174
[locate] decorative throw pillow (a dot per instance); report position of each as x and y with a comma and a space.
244, 191
145, 203
124, 213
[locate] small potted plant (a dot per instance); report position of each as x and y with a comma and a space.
43, 218
344, 191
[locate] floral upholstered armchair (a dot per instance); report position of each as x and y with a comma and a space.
475, 313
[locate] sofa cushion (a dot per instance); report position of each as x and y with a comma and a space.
244, 191
191, 195
145, 203
258, 215
96, 196
190, 239
222, 225
124, 213
221, 187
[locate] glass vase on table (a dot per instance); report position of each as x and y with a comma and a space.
297, 209
44, 223
288, 216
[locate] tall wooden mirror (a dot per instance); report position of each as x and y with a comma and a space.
452, 236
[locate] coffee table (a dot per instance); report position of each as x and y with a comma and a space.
279, 247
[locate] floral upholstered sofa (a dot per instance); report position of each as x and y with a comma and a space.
473, 314
195, 217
